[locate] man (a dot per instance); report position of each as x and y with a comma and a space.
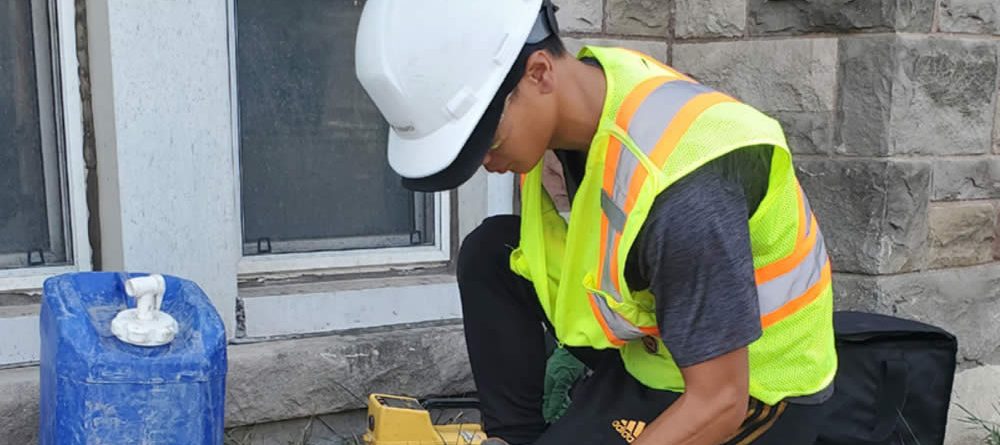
691, 276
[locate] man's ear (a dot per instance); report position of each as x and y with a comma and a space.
539, 72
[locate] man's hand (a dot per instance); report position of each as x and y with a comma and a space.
712, 407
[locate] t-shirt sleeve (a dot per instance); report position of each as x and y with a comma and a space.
694, 254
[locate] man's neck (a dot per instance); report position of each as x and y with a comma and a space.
581, 104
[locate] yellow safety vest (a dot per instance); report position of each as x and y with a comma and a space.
657, 126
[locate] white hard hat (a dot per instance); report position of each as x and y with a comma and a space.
434, 68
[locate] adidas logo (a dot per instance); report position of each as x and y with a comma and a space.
629, 429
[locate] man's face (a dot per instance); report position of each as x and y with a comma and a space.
527, 124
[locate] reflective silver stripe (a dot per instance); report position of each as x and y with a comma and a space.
607, 285
808, 210
777, 292
659, 109
627, 162
616, 224
614, 214
620, 327
647, 125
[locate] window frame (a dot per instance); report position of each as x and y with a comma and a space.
64, 138
332, 261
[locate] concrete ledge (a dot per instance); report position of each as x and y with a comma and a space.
298, 378
290, 379
19, 342
273, 311
19, 405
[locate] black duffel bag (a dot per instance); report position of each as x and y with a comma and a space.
894, 382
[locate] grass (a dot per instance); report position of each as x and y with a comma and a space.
991, 430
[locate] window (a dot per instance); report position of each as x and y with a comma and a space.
313, 169
34, 226
42, 172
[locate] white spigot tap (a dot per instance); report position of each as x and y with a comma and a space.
145, 325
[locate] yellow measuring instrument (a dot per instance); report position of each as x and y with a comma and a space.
396, 420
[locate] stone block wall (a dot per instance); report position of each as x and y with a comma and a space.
892, 110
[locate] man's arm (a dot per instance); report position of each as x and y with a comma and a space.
712, 407
694, 254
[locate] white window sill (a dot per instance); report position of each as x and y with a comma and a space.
19, 343
303, 262
30, 279
288, 310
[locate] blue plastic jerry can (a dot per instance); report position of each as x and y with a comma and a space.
130, 359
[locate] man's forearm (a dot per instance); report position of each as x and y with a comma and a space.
694, 420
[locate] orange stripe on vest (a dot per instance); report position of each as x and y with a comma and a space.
801, 301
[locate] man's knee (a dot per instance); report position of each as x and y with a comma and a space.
489, 245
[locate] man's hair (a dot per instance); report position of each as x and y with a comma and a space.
551, 44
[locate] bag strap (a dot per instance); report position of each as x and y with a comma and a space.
891, 398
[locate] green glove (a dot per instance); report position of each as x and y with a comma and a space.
562, 371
